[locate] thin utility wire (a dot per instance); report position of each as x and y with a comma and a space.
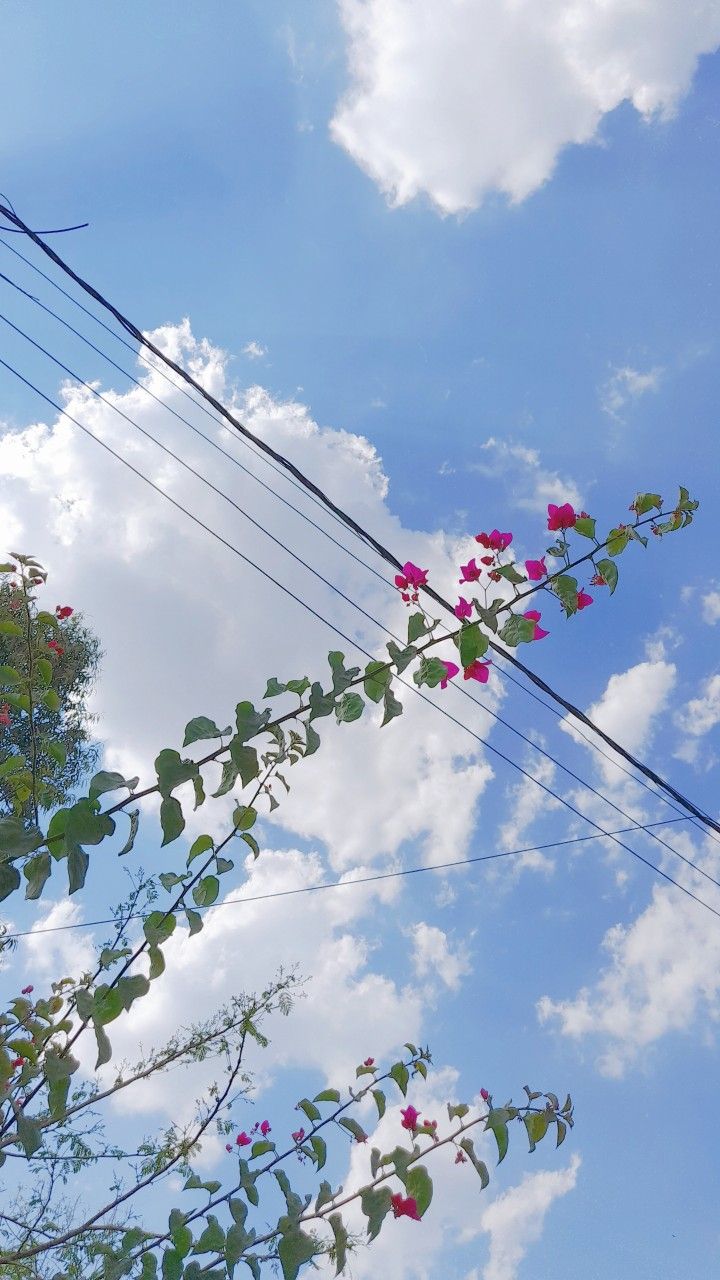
507, 675
360, 532
348, 599
356, 645
342, 884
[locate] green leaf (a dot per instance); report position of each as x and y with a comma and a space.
325, 1195
108, 781
430, 672
375, 1205
473, 644
349, 708
158, 927
228, 779
377, 678
44, 670
417, 627
536, 1123
319, 1147
312, 740
309, 1109
16, 839
51, 700
261, 1148
399, 1073
458, 1111
77, 867
251, 842
206, 892
393, 707
292, 1200
566, 589
199, 846
36, 872
341, 1239
496, 1121
57, 1098
510, 574
645, 502
517, 630
249, 721
294, 1250
10, 628
401, 658
171, 820
57, 752
83, 825
8, 675
379, 1097
172, 1265
561, 1131
245, 760
244, 817
354, 1128
342, 676
468, 1147
617, 541
274, 688
321, 704
418, 1184
172, 771
199, 729
134, 817
328, 1095
608, 570
28, 1133
212, 1239
195, 923
585, 526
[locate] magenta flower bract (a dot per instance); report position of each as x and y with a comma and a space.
463, 609
470, 572
539, 633
536, 569
583, 599
405, 1207
410, 1117
562, 517
451, 670
477, 671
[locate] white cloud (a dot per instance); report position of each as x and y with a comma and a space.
516, 1219
662, 976
526, 804
55, 955
531, 485
188, 628
433, 957
254, 350
624, 386
711, 607
627, 711
479, 96
701, 714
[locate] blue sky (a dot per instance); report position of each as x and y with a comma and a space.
495, 353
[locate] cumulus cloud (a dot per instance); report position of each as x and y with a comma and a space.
516, 1219
711, 607
188, 627
526, 805
433, 956
254, 350
702, 713
624, 386
530, 484
461, 100
628, 710
662, 976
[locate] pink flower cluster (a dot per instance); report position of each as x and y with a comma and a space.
244, 1140
409, 581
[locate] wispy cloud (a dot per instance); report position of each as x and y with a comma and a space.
626, 385
531, 484
254, 350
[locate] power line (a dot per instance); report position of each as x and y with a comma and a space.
303, 515
341, 884
359, 531
348, 600
443, 711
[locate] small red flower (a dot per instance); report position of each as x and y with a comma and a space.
487, 559
410, 1118
298, 1135
463, 609
26, 990
369, 1062
405, 1207
63, 611
484, 1095
53, 644
228, 1146
242, 1140
18, 1062
598, 581
460, 1158
494, 576
265, 1128
470, 572
4, 713
562, 517
583, 599
477, 671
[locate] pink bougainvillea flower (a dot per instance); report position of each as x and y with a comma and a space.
410, 1117
242, 1140
460, 1158
411, 576
369, 1062
484, 1095
298, 1135
562, 517
483, 539
4, 713
18, 1062
477, 671
63, 611
598, 581
583, 515
26, 990
539, 633
265, 1128
470, 572
500, 541
536, 569
494, 575
405, 1207
463, 609
53, 644
583, 599
451, 670
228, 1146
487, 559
